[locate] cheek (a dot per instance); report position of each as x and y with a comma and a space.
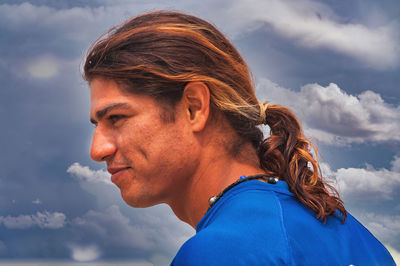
133, 140
135, 133
147, 138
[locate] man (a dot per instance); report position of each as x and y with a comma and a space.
177, 122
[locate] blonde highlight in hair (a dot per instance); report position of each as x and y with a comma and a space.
159, 52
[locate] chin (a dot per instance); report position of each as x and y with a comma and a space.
137, 202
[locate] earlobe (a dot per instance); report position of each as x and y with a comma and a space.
197, 103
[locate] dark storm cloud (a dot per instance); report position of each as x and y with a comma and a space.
43, 126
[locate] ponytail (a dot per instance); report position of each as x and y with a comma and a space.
286, 154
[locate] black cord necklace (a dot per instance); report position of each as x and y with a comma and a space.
214, 199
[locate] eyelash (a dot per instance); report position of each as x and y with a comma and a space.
115, 118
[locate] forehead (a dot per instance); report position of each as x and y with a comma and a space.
106, 92
102, 90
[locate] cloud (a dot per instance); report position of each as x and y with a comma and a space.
52, 41
113, 229
371, 193
308, 23
148, 235
152, 234
43, 67
385, 227
395, 164
96, 183
361, 184
84, 173
37, 201
171, 233
395, 254
84, 253
106, 230
76, 24
314, 25
334, 117
45, 219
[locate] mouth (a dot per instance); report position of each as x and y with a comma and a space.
116, 172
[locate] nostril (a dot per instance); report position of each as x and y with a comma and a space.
104, 158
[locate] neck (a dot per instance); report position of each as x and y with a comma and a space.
214, 174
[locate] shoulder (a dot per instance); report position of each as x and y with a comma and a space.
226, 248
251, 202
244, 229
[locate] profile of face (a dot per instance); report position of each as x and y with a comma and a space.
149, 159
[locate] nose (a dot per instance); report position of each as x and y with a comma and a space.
103, 145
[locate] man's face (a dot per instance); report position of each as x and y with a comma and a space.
149, 159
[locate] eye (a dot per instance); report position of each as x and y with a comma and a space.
115, 118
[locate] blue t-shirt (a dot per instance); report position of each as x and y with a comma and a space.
256, 223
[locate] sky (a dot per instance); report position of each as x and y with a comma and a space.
335, 63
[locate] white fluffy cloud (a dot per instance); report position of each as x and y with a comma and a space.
97, 183
153, 234
335, 117
112, 228
395, 164
84, 173
368, 183
375, 189
385, 227
44, 67
84, 253
315, 25
361, 184
45, 219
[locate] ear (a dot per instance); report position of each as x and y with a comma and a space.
196, 98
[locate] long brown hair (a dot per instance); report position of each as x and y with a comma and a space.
159, 52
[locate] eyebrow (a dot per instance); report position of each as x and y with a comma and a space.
101, 113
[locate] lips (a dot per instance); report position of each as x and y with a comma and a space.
116, 172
